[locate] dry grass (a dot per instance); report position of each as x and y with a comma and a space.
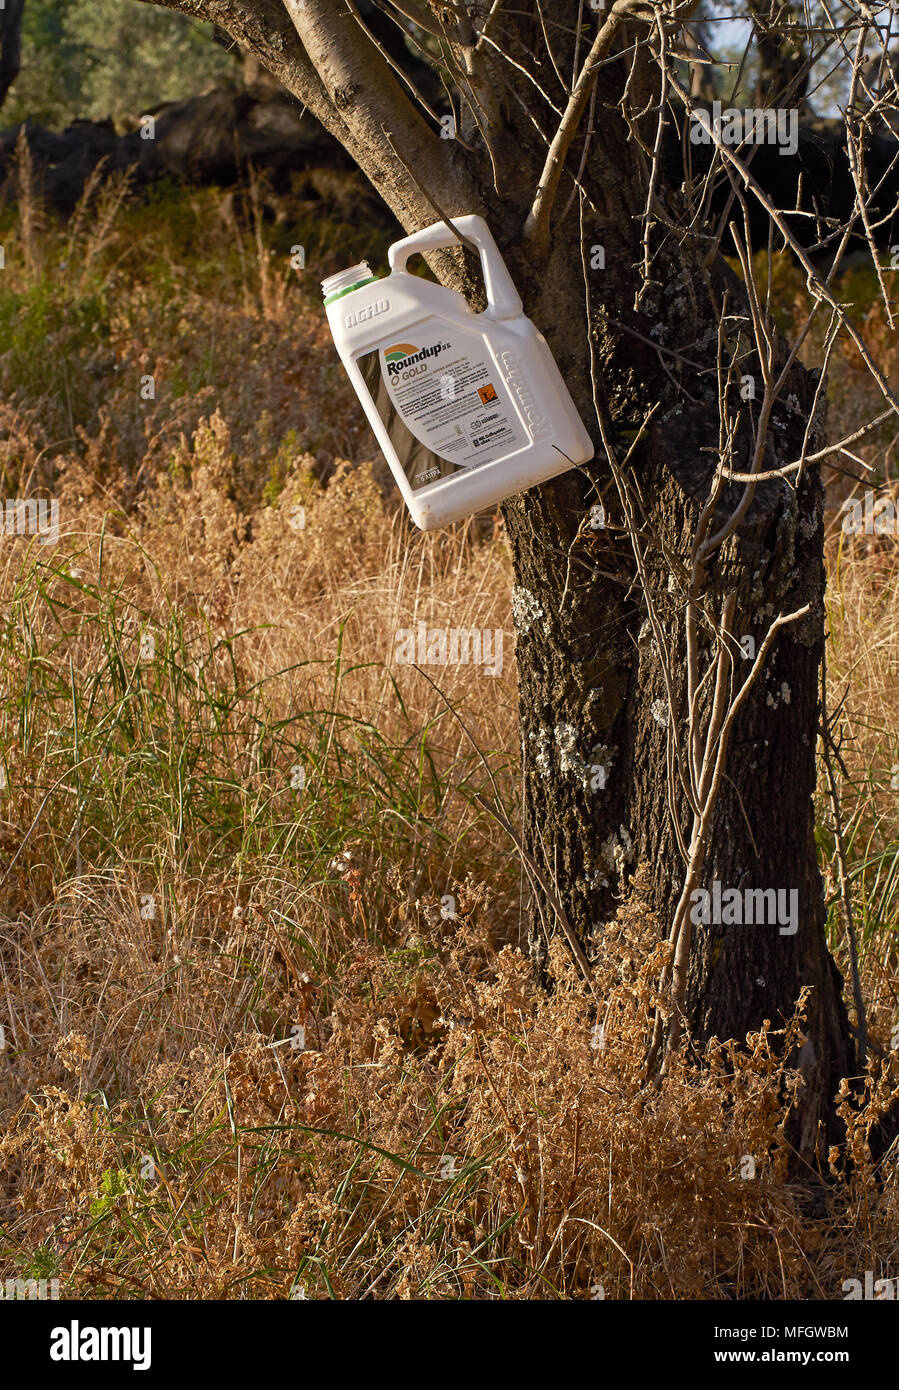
177, 916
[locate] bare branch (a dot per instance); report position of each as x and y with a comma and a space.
536, 227
326, 58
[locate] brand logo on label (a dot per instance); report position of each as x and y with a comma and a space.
402, 355
517, 383
377, 306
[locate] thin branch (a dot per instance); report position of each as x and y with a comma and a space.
536, 226
828, 747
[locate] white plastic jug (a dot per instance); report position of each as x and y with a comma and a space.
468, 408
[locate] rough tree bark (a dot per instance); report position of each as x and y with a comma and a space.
591, 678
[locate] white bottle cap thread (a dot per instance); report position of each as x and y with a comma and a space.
347, 279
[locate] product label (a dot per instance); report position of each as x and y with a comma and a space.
443, 402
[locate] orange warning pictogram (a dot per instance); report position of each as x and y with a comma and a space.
487, 393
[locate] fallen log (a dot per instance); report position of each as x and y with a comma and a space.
213, 138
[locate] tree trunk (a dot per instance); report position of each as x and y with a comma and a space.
10, 44
596, 717
783, 64
591, 689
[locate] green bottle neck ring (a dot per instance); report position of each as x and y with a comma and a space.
340, 293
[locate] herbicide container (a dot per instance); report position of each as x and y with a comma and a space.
468, 408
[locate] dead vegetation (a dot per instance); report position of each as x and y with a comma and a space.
269, 1027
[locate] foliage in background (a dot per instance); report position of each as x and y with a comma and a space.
99, 59
95, 59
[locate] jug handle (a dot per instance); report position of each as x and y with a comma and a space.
503, 300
